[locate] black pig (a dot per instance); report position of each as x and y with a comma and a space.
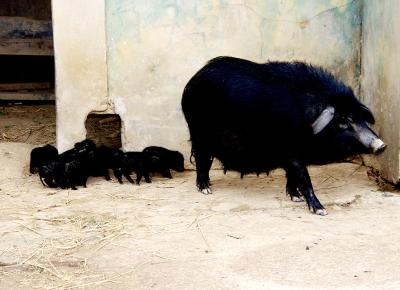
96, 161
75, 173
73, 167
92, 159
42, 155
100, 162
161, 160
52, 174
63, 174
83, 148
258, 117
126, 163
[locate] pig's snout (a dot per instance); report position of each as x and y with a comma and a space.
378, 146
368, 138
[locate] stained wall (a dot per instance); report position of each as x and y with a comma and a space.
133, 57
155, 46
81, 66
380, 85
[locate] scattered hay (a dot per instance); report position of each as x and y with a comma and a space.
56, 261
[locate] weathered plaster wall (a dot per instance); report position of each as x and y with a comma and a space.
380, 85
155, 46
81, 71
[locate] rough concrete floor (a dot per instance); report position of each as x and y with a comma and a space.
166, 235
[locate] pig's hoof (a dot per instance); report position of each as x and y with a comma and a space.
321, 211
206, 191
294, 194
296, 198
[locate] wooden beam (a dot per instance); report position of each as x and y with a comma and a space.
26, 47
28, 96
25, 36
24, 86
23, 27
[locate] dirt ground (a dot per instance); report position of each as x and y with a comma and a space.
166, 235
36, 124
28, 124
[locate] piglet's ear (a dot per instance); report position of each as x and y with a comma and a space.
323, 120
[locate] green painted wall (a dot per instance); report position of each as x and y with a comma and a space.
134, 57
155, 46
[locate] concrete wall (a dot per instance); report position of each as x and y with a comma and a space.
155, 46
81, 68
380, 85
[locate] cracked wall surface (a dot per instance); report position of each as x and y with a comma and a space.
133, 57
380, 85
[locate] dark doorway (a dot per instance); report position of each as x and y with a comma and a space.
104, 129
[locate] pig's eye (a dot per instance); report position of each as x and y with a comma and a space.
344, 122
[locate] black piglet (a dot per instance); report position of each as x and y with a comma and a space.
161, 160
41, 156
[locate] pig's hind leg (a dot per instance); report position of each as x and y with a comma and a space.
106, 174
291, 189
32, 168
127, 176
203, 165
202, 154
147, 177
50, 182
139, 175
166, 173
118, 174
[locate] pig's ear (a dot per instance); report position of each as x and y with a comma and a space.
323, 120
366, 114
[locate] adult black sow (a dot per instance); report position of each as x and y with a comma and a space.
257, 117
